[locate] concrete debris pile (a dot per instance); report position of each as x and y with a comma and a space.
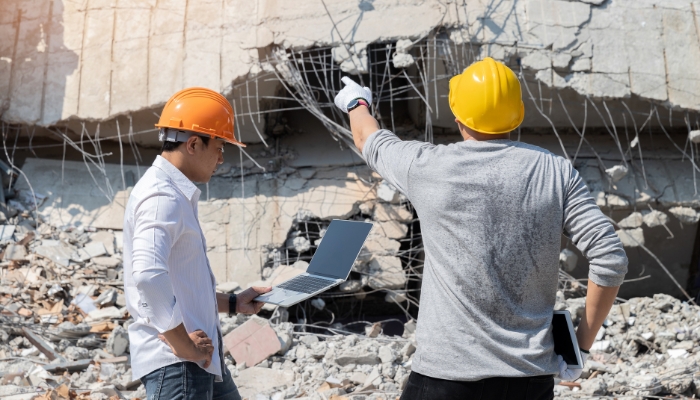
647, 347
63, 320
278, 362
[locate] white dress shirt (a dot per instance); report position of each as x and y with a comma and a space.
167, 277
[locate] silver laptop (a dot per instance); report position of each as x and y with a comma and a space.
329, 267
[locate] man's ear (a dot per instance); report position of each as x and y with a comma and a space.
191, 144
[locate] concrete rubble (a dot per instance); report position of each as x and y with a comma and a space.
648, 346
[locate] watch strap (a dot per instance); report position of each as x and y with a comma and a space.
231, 304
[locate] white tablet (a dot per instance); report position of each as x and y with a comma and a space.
565, 343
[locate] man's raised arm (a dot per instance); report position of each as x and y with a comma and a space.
356, 100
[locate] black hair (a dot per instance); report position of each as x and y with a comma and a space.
171, 146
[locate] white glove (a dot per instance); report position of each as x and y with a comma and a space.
350, 92
570, 374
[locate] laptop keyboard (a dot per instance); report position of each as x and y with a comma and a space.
305, 284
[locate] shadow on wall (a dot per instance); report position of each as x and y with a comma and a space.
38, 68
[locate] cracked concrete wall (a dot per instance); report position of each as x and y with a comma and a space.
94, 59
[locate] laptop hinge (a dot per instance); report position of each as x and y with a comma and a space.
324, 275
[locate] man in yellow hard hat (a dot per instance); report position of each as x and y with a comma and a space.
492, 212
175, 340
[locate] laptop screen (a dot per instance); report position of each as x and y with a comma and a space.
339, 248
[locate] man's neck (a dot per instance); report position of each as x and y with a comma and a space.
177, 160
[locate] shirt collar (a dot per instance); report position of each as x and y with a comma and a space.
181, 181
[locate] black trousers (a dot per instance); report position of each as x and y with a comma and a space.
421, 387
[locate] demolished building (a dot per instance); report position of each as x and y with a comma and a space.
609, 84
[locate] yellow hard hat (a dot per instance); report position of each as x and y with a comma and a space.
486, 97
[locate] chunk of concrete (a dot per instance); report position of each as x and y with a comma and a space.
6, 232
631, 237
91, 250
252, 342
391, 212
387, 192
567, 260
378, 245
357, 355
395, 296
392, 229
15, 252
118, 341
299, 244
255, 380
655, 218
76, 353
386, 354
107, 239
632, 221
616, 172
56, 251
386, 273
105, 313
686, 215
537, 60
350, 286
694, 136
109, 262
402, 60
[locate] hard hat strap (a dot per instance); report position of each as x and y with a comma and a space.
176, 135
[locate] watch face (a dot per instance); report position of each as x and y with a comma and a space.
353, 104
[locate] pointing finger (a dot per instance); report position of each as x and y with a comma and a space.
348, 81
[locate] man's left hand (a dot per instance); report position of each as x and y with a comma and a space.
570, 374
245, 303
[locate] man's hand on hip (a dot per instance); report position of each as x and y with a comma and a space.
245, 303
195, 347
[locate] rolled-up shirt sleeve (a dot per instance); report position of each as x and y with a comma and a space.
155, 231
392, 157
593, 233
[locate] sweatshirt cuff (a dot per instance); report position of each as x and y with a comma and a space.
606, 280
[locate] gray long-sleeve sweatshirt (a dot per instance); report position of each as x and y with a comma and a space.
492, 214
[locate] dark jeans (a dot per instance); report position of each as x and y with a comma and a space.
421, 387
187, 381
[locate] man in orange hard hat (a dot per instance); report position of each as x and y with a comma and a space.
492, 212
175, 341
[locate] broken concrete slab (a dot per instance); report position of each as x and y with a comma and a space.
6, 232
252, 381
252, 342
15, 252
56, 251
109, 262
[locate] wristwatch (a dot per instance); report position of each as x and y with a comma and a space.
356, 103
231, 304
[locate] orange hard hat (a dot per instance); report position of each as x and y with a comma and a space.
202, 111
